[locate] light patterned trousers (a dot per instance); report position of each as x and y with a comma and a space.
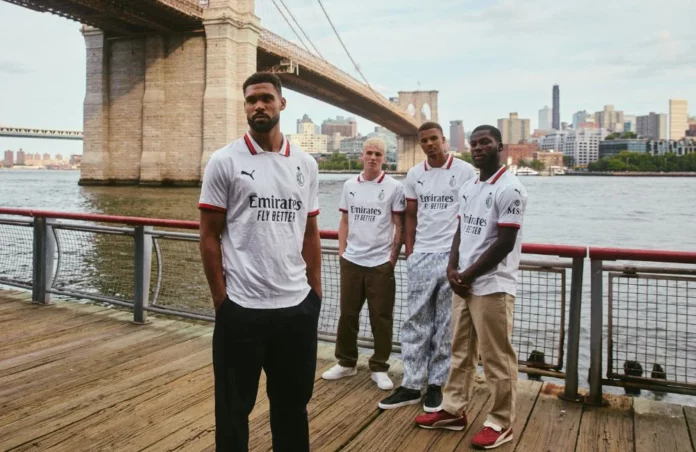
426, 336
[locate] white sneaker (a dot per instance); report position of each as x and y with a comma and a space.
383, 381
339, 371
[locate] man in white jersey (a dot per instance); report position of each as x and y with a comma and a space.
483, 268
261, 254
370, 236
431, 189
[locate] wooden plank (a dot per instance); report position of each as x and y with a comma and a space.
608, 428
120, 426
660, 426
553, 424
690, 414
127, 362
89, 401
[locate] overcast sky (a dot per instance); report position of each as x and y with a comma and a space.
486, 58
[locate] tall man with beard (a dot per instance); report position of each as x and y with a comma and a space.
482, 270
431, 189
261, 254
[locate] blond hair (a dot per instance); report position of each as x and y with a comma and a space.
375, 143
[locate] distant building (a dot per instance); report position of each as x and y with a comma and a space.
47, 157
457, 139
677, 147
549, 158
76, 159
346, 127
610, 119
513, 153
556, 119
630, 123
678, 119
21, 157
583, 145
513, 129
9, 158
545, 118
652, 126
607, 148
333, 142
554, 141
352, 145
307, 139
581, 117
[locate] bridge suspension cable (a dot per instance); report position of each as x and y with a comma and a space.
357, 68
301, 29
291, 26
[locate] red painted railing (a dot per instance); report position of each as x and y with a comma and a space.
616, 254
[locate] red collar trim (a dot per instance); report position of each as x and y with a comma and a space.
254, 148
379, 179
447, 165
495, 177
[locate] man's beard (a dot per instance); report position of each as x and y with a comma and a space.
263, 127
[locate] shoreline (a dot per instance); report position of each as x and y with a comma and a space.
632, 174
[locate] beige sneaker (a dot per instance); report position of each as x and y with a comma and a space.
383, 381
338, 371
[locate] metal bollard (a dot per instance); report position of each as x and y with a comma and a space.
44, 251
570, 392
143, 264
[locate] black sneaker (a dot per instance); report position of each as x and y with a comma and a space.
433, 399
401, 397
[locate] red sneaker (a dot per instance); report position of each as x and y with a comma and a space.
488, 438
441, 419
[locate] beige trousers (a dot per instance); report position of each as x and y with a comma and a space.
483, 325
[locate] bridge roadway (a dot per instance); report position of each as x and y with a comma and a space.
79, 376
24, 132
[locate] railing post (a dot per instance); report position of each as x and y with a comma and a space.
571, 380
596, 331
143, 263
44, 245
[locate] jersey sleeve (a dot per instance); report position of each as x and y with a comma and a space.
343, 203
398, 200
410, 186
313, 201
215, 186
511, 205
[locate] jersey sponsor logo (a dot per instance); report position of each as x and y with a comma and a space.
436, 202
368, 214
300, 177
274, 209
473, 225
251, 174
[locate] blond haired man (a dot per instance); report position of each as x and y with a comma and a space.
370, 239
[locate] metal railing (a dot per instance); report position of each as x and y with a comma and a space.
648, 317
127, 262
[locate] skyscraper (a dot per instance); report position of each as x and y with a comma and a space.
678, 119
556, 123
545, 118
457, 139
513, 129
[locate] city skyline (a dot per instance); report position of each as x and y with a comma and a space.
592, 73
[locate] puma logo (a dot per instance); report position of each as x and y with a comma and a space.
518, 192
465, 198
420, 182
352, 194
244, 173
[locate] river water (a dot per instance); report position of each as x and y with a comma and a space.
625, 212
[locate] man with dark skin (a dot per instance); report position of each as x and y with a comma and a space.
261, 254
482, 271
431, 189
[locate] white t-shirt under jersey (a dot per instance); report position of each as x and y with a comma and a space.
483, 207
369, 205
267, 197
435, 190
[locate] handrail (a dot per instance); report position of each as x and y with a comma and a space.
615, 254
527, 248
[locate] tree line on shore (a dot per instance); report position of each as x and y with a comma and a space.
638, 162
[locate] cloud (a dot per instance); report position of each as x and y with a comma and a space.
14, 67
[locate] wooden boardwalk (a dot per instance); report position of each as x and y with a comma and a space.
81, 377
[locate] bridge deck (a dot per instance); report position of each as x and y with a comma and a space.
82, 377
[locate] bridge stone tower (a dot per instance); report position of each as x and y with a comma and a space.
157, 106
422, 105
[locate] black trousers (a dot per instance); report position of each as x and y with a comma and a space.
282, 342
